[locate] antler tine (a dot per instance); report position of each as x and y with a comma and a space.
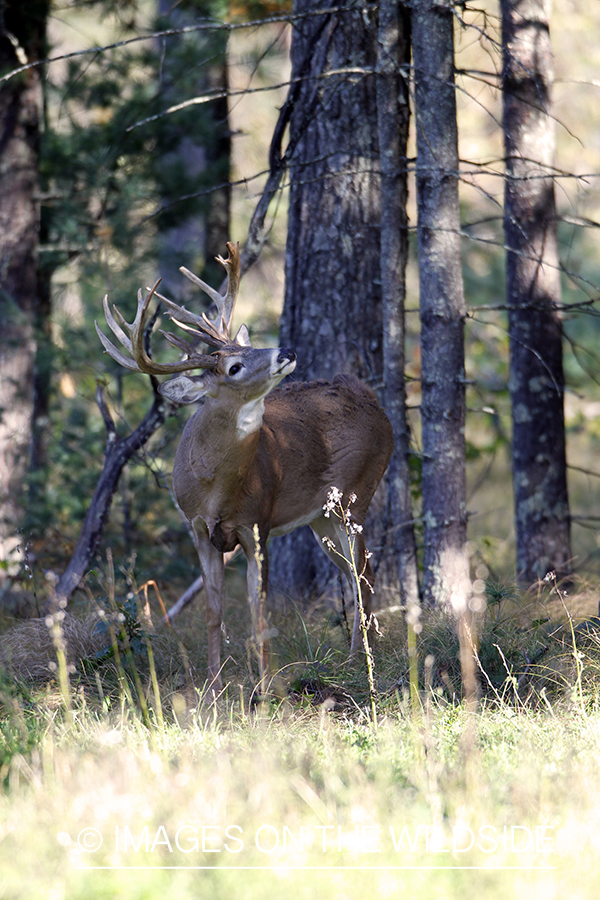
232, 265
179, 342
184, 318
115, 352
114, 325
134, 342
146, 364
214, 295
224, 302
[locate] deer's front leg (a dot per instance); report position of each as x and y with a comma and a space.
254, 546
212, 564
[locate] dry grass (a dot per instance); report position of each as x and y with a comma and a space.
28, 649
522, 637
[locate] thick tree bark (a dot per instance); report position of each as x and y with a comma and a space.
393, 121
22, 38
332, 309
446, 570
332, 314
533, 287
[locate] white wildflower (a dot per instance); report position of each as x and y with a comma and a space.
334, 497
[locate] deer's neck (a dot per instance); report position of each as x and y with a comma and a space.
215, 458
229, 426
225, 439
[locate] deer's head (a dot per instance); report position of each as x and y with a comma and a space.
234, 371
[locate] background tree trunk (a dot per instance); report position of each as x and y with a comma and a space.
332, 314
533, 287
198, 150
22, 39
393, 120
442, 305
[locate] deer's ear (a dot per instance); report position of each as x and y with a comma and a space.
184, 389
242, 337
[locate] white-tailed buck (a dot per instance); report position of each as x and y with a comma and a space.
254, 462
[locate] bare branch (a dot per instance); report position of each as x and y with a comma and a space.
111, 431
214, 25
117, 455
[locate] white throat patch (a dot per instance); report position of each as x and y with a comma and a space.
250, 418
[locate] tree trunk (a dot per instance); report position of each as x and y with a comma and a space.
22, 38
199, 150
446, 570
332, 315
42, 393
393, 121
533, 287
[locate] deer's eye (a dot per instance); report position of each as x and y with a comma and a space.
236, 367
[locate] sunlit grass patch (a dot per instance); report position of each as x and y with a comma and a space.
299, 795
314, 804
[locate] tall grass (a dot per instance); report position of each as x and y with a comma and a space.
305, 804
105, 797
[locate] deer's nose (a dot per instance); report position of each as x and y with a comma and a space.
284, 355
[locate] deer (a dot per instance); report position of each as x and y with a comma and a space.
257, 460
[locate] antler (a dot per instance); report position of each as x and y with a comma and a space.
132, 339
216, 333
